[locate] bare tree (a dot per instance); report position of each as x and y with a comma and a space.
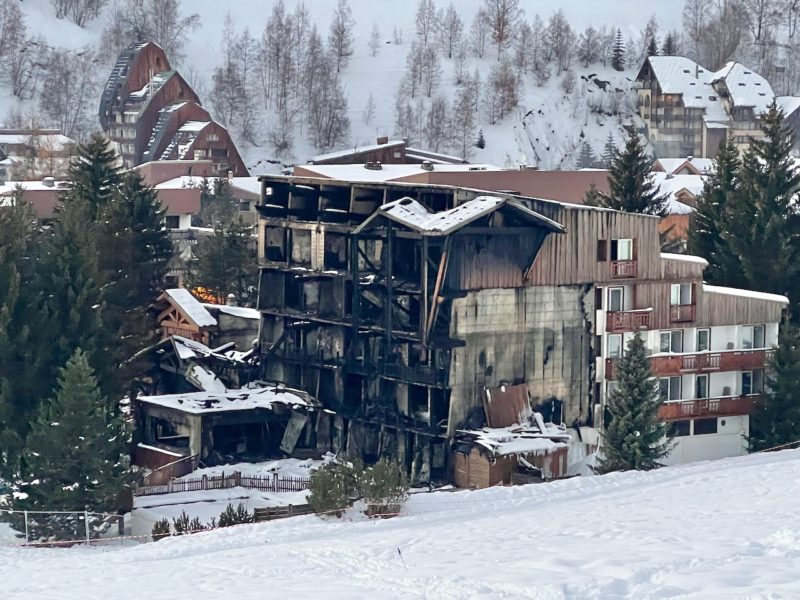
405, 117
397, 36
329, 124
79, 12
461, 63
463, 122
451, 30
370, 108
340, 35
589, 46
68, 88
561, 40
503, 16
431, 70
374, 40
647, 37
502, 92
426, 22
523, 42
415, 68
21, 57
479, 33
438, 128
568, 81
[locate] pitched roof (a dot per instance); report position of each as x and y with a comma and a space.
746, 87
680, 75
191, 307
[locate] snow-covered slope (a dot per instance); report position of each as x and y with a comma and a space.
726, 529
547, 138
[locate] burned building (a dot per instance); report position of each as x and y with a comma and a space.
397, 306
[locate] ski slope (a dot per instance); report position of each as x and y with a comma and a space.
724, 529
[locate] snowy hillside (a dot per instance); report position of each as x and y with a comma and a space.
726, 529
557, 121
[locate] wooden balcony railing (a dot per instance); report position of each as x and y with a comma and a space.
631, 320
681, 313
706, 407
704, 362
624, 269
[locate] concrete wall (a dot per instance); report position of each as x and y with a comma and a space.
728, 441
541, 336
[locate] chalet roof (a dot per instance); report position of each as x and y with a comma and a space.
746, 87
714, 289
788, 104
191, 307
697, 165
357, 150
235, 311
359, 173
672, 185
683, 76
415, 216
253, 398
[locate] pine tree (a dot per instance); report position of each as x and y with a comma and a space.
764, 227
481, 143
670, 47
609, 151
93, 173
634, 437
587, 158
711, 219
652, 47
775, 419
226, 264
630, 182
618, 52
592, 197
73, 456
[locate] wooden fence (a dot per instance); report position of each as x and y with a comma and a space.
170, 471
280, 512
224, 482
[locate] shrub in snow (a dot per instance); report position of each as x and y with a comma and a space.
334, 487
234, 516
160, 530
184, 525
384, 487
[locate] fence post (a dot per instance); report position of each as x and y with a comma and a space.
170, 485
238, 478
290, 510
121, 525
275, 482
86, 525
27, 539
205, 482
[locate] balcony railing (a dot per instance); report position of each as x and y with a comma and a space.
632, 320
704, 362
624, 269
421, 374
681, 313
706, 407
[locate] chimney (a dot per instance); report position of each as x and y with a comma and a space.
426, 165
230, 176
383, 140
231, 299
49, 182
373, 166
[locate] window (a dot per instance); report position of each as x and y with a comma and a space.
610, 387
703, 340
669, 388
212, 137
679, 428
671, 341
172, 222
705, 426
615, 346
701, 386
680, 294
602, 250
616, 297
752, 382
753, 336
622, 249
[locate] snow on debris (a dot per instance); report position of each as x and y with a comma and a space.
192, 307
715, 289
235, 311
197, 403
205, 380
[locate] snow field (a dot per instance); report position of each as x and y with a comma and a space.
723, 529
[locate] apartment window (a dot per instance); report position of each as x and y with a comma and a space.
701, 386
752, 382
705, 426
753, 336
622, 249
671, 341
615, 345
669, 388
610, 387
703, 340
679, 428
616, 297
172, 222
680, 294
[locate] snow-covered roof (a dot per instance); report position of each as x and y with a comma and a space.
56, 141
517, 439
672, 185
8, 188
680, 75
685, 258
248, 184
231, 400
358, 172
673, 165
191, 307
235, 311
183, 182
788, 104
357, 150
715, 289
746, 87
415, 216
205, 380
194, 126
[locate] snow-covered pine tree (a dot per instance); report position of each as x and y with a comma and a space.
634, 438
710, 220
92, 174
73, 460
775, 419
618, 52
481, 143
630, 181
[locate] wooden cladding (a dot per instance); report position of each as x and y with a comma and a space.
707, 407
632, 320
705, 362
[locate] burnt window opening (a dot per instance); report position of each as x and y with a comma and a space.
294, 293
301, 248
271, 290
335, 251
166, 433
418, 406
275, 244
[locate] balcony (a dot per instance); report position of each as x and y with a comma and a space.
624, 269
420, 375
707, 407
632, 320
680, 364
681, 313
